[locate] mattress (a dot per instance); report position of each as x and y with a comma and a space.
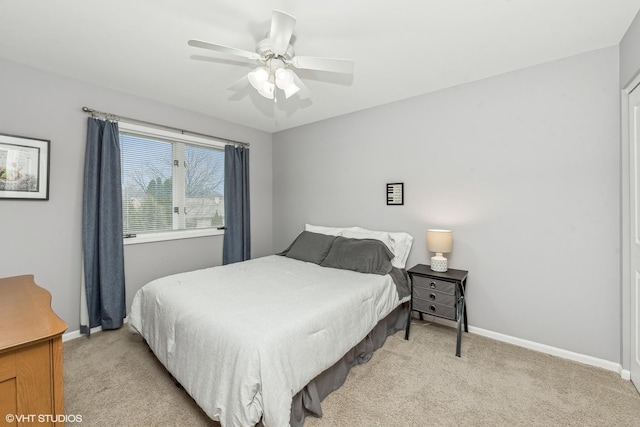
243, 339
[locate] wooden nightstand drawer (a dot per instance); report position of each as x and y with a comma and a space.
429, 307
433, 284
434, 296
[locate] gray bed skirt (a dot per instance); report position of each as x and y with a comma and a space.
307, 401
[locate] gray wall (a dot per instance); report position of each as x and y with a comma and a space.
44, 237
523, 167
630, 53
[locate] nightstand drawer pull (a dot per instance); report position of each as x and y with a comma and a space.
434, 296
428, 283
434, 308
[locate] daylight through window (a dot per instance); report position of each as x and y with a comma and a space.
170, 182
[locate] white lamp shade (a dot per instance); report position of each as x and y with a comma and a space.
283, 78
258, 78
267, 90
291, 90
284, 81
439, 241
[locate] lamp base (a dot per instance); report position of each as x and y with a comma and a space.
439, 263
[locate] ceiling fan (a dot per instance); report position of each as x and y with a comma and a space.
276, 56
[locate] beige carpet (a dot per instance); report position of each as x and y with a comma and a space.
112, 379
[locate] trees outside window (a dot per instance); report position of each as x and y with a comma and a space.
170, 184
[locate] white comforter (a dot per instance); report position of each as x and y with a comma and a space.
243, 339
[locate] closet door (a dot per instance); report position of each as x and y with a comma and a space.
634, 173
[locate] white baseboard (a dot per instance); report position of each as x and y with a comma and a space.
68, 336
625, 374
543, 348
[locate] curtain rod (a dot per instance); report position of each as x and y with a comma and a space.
110, 116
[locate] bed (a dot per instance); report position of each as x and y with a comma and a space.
262, 341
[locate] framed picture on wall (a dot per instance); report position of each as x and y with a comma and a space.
24, 168
395, 194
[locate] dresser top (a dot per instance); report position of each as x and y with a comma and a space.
25, 313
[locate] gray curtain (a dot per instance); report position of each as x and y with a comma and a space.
102, 249
237, 235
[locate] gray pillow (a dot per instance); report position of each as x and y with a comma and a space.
362, 255
309, 247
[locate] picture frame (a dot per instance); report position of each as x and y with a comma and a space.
24, 168
395, 194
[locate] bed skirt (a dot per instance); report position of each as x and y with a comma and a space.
307, 401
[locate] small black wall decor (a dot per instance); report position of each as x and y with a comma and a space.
395, 194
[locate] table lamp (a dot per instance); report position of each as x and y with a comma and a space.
440, 242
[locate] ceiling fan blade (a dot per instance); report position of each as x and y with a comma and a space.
224, 49
334, 65
281, 31
304, 91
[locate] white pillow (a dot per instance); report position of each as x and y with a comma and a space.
401, 245
331, 231
403, 242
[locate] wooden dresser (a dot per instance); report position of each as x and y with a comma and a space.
31, 388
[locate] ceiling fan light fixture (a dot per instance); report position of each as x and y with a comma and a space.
258, 78
284, 78
285, 81
267, 90
291, 90
276, 55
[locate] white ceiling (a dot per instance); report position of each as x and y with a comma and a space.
401, 48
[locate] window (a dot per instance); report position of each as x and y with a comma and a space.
172, 184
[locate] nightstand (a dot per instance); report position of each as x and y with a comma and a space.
439, 294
